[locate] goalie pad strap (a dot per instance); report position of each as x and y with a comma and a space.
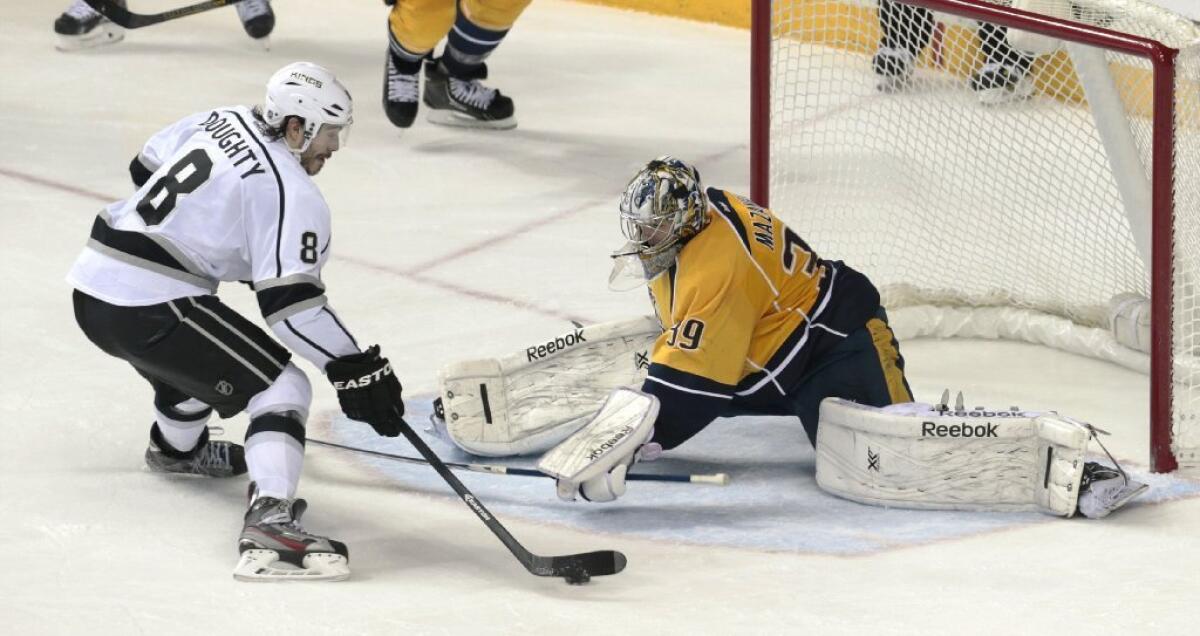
915, 456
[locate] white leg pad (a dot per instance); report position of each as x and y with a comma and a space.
915, 456
530, 401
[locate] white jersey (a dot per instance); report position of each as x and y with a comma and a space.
222, 203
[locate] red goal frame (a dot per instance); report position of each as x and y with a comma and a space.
1163, 61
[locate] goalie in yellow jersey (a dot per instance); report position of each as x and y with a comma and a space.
751, 321
754, 320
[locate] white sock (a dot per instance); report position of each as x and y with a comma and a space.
182, 436
274, 461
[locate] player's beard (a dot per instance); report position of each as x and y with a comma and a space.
312, 164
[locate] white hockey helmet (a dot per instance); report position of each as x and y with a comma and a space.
312, 93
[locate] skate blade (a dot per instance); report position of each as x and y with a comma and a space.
998, 96
1127, 494
104, 34
891, 85
259, 566
459, 120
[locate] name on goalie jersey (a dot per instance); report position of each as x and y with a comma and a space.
558, 344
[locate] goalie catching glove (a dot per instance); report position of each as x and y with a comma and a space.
530, 401
368, 390
593, 462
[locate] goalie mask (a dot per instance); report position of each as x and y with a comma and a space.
662, 207
312, 93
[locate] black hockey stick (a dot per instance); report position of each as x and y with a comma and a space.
575, 568
125, 18
716, 479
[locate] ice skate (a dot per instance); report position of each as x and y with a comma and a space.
81, 27
1103, 490
258, 19
894, 68
401, 93
464, 101
208, 459
275, 548
997, 83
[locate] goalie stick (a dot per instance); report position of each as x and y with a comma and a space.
716, 479
127, 19
575, 568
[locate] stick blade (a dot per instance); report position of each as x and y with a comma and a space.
580, 566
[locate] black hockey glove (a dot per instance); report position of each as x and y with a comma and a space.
368, 390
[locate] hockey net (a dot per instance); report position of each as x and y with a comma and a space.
1024, 219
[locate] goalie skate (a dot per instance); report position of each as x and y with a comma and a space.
1104, 490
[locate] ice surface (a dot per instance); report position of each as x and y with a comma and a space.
452, 245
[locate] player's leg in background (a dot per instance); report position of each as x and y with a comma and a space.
1004, 76
866, 367
414, 28
179, 437
906, 31
81, 27
453, 90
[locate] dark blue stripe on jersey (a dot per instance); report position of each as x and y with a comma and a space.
854, 301
339, 324
135, 244
721, 203
276, 424
688, 380
139, 173
278, 183
274, 299
472, 39
682, 414
327, 354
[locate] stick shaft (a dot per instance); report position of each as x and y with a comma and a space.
130, 20
715, 479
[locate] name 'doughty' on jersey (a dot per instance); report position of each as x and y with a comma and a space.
230, 140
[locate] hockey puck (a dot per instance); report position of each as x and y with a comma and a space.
578, 577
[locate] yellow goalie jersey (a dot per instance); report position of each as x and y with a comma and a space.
747, 308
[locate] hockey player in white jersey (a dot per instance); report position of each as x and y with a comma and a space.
226, 195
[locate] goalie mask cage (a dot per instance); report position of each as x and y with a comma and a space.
1021, 220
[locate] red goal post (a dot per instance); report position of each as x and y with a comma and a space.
777, 24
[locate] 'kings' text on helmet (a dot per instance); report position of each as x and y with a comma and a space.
310, 92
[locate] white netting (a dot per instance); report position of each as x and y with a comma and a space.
1186, 319
1038, 205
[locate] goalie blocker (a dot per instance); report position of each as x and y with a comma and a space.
594, 461
932, 457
